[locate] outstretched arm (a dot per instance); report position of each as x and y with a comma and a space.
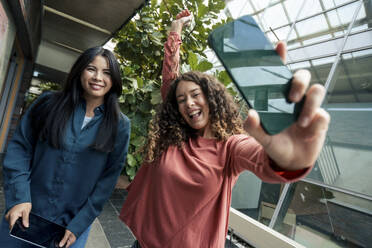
171, 60
298, 146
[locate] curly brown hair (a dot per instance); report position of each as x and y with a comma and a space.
168, 127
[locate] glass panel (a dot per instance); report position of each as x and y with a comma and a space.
342, 15
350, 106
280, 17
349, 103
317, 39
311, 7
259, 5
301, 65
255, 198
326, 26
317, 50
280, 34
320, 69
293, 45
293, 7
312, 26
239, 8
262, 22
316, 216
328, 4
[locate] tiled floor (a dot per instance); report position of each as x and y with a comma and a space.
117, 233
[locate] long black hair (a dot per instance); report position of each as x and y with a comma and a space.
50, 115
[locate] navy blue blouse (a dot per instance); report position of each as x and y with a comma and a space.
68, 186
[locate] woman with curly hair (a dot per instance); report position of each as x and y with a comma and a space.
198, 145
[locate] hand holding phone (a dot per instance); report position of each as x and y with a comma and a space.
20, 210
268, 87
41, 232
257, 71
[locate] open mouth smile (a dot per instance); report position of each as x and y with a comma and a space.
195, 114
95, 86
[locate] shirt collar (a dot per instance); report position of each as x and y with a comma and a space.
98, 110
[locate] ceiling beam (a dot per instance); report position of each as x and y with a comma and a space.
77, 20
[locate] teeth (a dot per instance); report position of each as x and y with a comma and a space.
96, 86
195, 113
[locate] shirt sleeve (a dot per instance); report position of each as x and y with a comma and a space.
171, 62
247, 154
105, 184
17, 161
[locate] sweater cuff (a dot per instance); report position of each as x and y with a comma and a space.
289, 175
80, 223
16, 193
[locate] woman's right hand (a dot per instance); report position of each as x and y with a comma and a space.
20, 210
182, 19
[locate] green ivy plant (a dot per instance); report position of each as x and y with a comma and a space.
139, 47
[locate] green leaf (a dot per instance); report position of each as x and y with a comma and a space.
157, 34
133, 81
192, 60
138, 141
204, 66
139, 82
224, 77
202, 10
155, 97
131, 99
220, 5
145, 106
146, 19
131, 171
131, 160
145, 42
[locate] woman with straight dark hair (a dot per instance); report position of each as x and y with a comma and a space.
65, 157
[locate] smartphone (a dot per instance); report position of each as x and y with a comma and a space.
257, 71
41, 232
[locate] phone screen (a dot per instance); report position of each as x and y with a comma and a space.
257, 70
41, 232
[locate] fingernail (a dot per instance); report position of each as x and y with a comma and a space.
250, 113
295, 96
304, 122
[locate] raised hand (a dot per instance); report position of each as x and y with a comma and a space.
182, 19
299, 145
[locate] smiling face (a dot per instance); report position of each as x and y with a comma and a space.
193, 107
96, 79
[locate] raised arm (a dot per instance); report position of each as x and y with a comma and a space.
171, 62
